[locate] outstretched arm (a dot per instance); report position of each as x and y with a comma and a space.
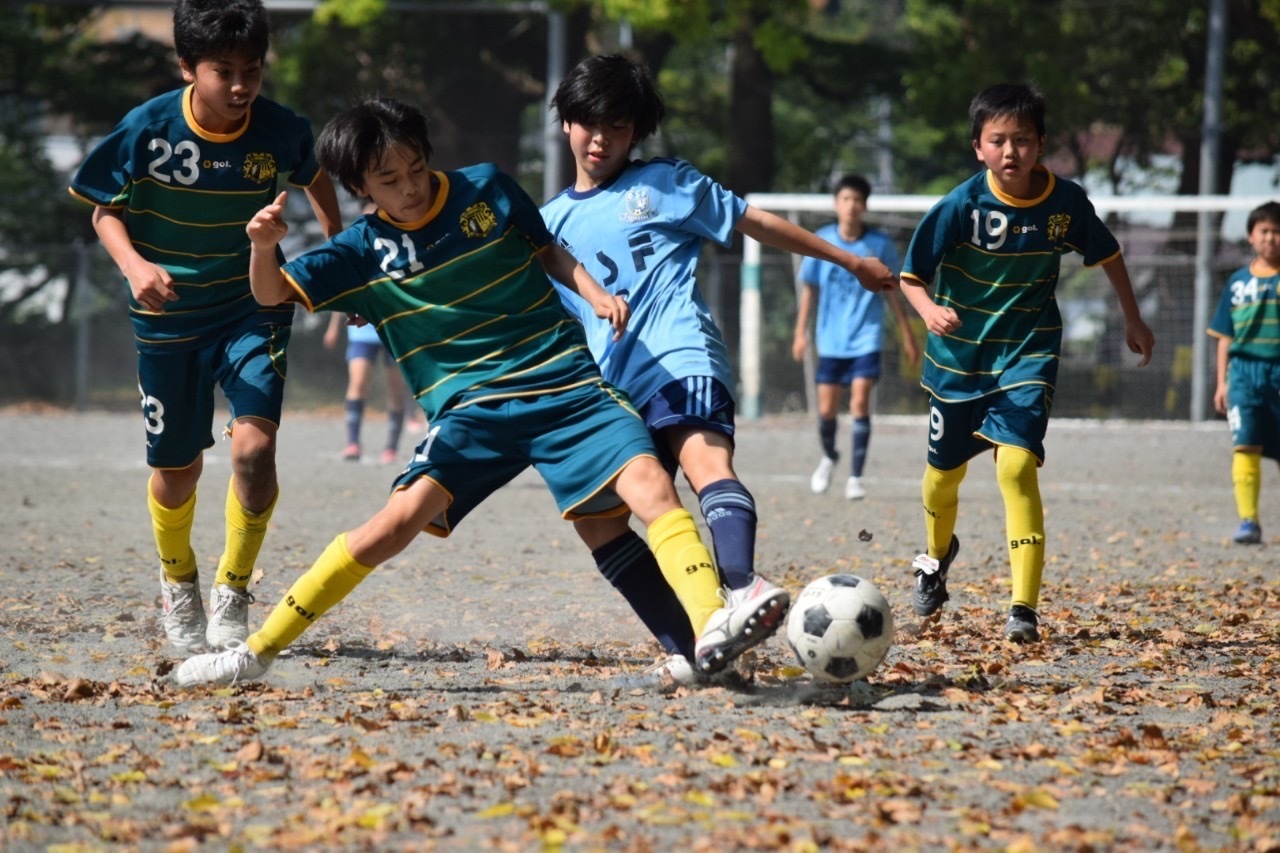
1136, 334
564, 268
772, 230
324, 204
266, 230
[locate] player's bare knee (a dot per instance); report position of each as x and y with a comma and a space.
255, 465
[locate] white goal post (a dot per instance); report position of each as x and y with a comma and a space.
790, 205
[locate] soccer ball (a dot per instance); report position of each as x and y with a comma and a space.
840, 628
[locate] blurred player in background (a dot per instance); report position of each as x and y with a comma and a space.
365, 353
639, 227
452, 270
173, 187
849, 331
992, 249
1247, 326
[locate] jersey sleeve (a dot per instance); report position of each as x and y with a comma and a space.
1221, 326
326, 277
1094, 239
938, 231
306, 169
713, 210
106, 175
888, 254
810, 272
523, 212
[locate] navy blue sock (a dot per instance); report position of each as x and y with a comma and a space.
355, 414
827, 435
395, 426
730, 512
630, 566
861, 440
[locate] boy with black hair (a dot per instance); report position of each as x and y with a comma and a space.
992, 249
639, 227
173, 187
1247, 326
452, 270
849, 331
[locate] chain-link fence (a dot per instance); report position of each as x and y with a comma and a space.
71, 343
1098, 377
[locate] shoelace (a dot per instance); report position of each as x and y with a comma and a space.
236, 659
229, 598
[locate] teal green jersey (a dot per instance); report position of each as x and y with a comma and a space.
459, 297
1248, 315
994, 260
187, 195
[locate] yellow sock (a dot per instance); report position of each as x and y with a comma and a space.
333, 575
941, 493
1246, 476
687, 566
172, 529
245, 532
1024, 521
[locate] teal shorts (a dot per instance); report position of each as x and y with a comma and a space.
248, 363
1253, 404
578, 440
960, 431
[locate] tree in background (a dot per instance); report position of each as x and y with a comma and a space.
49, 68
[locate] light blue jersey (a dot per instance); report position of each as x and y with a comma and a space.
850, 318
640, 236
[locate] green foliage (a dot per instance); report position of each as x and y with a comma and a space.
1137, 73
350, 13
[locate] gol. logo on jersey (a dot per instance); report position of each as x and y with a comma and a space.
260, 167
477, 220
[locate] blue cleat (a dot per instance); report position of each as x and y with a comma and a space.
1250, 533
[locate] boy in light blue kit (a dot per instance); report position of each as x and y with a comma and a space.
992, 248
452, 270
849, 331
639, 227
173, 187
1247, 326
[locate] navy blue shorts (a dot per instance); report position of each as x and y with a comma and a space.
369, 351
1253, 404
960, 431
177, 390
578, 440
842, 371
699, 402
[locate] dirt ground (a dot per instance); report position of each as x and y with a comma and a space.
487, 691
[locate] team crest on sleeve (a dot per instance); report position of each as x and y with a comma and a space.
1057, 227
260, 167
638, 207
478, 220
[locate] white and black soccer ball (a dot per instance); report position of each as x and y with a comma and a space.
840, 627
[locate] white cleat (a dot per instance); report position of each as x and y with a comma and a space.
750, 616
183, 614
232, 665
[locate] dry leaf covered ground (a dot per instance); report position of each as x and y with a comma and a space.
487, 690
